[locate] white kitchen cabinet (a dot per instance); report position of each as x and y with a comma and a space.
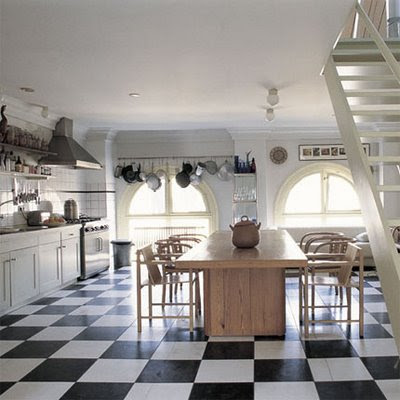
70, 256
50, 266
5, 298
24, 271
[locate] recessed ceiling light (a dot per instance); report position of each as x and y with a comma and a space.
26, 89
134, 94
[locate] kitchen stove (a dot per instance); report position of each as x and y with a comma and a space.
95, 246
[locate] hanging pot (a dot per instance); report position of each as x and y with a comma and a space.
195, 179
118, 171
226, 171
129, 174
211, 167
153, 181
201, 167
137, 175
182, 179
187, 167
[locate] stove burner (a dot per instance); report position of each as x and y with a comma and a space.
82, 220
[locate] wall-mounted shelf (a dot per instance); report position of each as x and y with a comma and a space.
27, 149
245, 174
26, 176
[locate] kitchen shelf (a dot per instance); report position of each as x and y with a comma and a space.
243, 201
36, 177
27, 149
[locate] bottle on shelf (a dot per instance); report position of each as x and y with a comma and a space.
18, 165
12, 161
253, 166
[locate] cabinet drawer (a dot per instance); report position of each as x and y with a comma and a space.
70, 233
16, 241
49, 237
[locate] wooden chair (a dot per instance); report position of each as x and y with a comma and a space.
145, 256
332, 245
344, 263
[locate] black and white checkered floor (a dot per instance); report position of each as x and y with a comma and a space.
82, 343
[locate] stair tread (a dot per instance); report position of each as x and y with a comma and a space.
368, 78
379, 134
372, 92
388, 188
384, 159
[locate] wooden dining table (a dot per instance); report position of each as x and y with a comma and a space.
244, 289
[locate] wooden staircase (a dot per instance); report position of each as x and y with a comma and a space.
363, 80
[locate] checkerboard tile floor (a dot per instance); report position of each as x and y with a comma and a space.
81, 343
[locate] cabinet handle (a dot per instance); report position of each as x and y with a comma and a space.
13, 259
101, 243
58, 262
34, 270
4, 284
71, 234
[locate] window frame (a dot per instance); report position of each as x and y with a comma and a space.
124, 216
325, 170
169, 203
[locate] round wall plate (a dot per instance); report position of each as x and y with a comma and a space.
278, 155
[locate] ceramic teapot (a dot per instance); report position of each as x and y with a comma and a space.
245, 234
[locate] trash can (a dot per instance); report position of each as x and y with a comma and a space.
122, 253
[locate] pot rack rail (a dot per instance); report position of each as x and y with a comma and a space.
184, 158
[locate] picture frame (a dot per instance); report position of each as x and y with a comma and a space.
318, 152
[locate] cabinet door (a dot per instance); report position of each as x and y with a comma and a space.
5, 300
24, 275
50, 269
70, 259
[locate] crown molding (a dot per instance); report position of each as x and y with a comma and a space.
27, 112
197, 136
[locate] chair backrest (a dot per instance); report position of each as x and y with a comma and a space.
185, 239
179, 247
353, 253
148, 257
309, 235
318, 239
163, 246
335, 245
396, 234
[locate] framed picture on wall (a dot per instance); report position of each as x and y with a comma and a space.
317, 152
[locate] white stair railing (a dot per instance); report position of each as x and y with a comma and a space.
384, 250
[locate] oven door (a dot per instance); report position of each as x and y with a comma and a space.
96, 253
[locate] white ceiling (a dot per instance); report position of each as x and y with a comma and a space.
197, 64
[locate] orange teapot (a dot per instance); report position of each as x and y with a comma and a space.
245, 233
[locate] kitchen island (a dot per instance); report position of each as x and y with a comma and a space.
244, 289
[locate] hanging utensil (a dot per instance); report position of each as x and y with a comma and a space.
226, 171
211, 167
153, 181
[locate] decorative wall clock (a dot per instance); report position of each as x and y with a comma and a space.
278, 155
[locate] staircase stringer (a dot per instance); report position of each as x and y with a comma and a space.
387, 260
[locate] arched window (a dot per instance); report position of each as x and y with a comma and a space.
146, 216
318, 195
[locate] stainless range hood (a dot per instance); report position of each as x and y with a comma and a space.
70, 154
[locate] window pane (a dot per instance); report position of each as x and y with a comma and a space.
145, 201
341, 194
187, 199
305, 196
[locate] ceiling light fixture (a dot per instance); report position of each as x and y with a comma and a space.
269, 114
134, 94
26, 89
273, 98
